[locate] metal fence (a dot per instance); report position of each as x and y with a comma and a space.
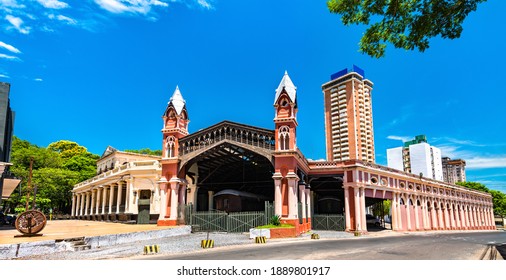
328, 222
227, 222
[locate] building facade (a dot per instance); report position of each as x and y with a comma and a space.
124, 189
417, 157
454, 170
233, 159
348, 116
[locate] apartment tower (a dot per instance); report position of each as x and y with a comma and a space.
454, 170
348, 116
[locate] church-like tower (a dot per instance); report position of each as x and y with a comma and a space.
172, 184
285, 155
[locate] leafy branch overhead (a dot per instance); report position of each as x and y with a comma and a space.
406, 24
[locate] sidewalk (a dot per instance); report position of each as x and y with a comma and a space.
96, 234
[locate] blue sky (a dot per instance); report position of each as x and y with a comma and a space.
101, 73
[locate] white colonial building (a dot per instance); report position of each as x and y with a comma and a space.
125, 189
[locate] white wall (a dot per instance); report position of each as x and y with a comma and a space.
394, 158
420, 159
438, 164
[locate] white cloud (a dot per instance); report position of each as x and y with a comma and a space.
17, 23
480, 162
9, 47
63, 18
401, 138
4, 76
205, 4
53, 4
38, 79
10, 4
126, 6
8, 57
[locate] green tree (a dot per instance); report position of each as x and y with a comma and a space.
407, 24
146, 151
56, 169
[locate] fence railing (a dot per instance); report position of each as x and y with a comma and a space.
226, 222
328, 222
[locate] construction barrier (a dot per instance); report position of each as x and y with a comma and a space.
207, 243
315, 236
260, 239
151, 249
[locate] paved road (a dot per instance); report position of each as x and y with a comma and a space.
443, 246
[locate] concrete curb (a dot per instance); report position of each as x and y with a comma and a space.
22, 250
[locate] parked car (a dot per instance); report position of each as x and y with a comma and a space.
372, 220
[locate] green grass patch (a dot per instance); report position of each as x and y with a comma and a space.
274, 226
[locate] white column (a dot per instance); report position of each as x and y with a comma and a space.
118, 199
73, 210
93, 194
104, 199
81, 204
88, 194
98, 200
111, 198
347, 207
129, 194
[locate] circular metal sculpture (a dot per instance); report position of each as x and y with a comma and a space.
31, 222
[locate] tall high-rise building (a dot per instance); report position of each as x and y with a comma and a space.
6, 122
417, 157
454, 170
348, 116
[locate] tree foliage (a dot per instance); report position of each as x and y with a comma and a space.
498, 198
56, 169
407, 24
146, 151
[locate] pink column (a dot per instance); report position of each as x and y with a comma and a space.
394, 211
417, 219
356, 195
452, 217
408, 211
174, 197
362, 209
163, 200
347, 207
292, 196
278, 200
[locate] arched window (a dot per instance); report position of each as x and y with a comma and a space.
170, 143
284, 138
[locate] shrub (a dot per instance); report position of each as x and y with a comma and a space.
276, 220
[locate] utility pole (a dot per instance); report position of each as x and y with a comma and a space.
29, 187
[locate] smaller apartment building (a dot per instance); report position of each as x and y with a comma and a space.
417, 157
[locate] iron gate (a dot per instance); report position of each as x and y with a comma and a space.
328, 222
227, 222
